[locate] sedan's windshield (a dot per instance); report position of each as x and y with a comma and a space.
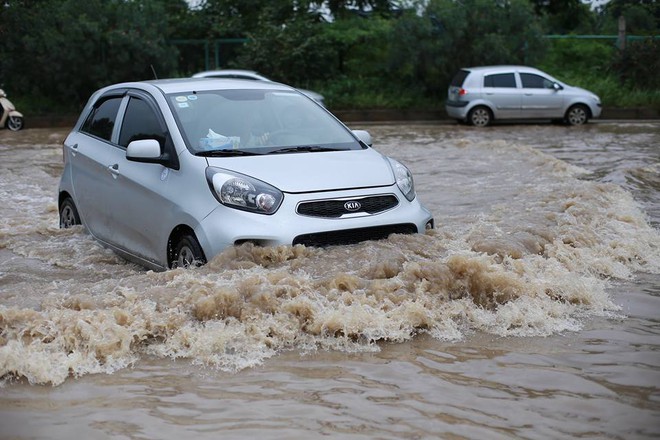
216, 123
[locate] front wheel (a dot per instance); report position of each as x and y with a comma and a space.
577, 115
480, 116
187, 252
68, 214
15, 123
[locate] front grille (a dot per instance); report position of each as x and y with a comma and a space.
352, 236
337, 208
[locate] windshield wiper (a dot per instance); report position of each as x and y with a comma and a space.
227, 153
304, 149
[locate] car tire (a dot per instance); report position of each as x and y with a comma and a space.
480, 116
577, 115
187, 252
14, 123
68, 214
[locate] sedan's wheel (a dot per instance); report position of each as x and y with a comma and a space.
187, 252
577, 115
15, 123
68, 214
480, 116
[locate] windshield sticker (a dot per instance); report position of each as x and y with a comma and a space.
183, 105
192, 97
181, 99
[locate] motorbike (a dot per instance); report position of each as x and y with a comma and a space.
9, 117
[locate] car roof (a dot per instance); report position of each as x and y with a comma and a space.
182, 85
502, 68
210, 73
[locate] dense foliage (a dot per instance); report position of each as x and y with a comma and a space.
359, 53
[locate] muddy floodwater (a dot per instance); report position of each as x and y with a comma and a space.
532, 311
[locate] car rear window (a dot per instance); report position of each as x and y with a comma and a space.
505, 80
459, 78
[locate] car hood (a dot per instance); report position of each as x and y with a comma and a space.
580, 91
314, 171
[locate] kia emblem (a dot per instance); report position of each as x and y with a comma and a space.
352, 206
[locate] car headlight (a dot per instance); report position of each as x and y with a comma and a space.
243, 192
404, 179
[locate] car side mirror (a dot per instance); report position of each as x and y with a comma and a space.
364, 136
148, 151
145, 150
557, 86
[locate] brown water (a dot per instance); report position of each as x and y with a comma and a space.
530, 312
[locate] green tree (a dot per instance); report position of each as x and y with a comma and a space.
294, 52
63, 50
429, 48
346, 8
237, 19
565, 16
642, 16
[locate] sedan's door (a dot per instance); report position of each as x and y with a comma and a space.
92, 154
140, 202
540, 98
501, 90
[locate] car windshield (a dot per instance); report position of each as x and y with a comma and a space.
250, 122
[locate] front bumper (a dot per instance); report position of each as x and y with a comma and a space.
225, 226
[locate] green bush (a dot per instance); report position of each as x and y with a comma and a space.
373, 93
621, 78
639, 63
582, 56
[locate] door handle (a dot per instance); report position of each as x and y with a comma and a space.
114, 170
74, 149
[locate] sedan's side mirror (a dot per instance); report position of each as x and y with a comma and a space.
557, 86
148, 151
145, 150
364, 136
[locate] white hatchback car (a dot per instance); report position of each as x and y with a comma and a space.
170, 172
479, 95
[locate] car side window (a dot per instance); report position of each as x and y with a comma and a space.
140, 122
532, 81
504, 80
101, 120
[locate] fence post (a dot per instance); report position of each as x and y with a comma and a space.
621, 41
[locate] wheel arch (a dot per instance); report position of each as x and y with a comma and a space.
481, 103
581, 104
177, 233
588, 114
63, 195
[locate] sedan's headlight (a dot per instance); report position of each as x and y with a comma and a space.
243, 192
404, 179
